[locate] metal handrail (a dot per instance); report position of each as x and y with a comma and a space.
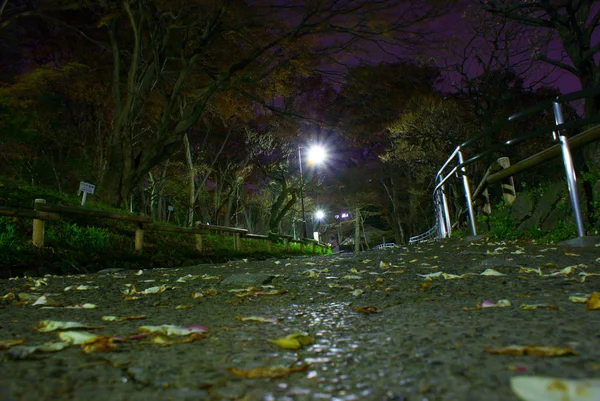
443, 224
426, 236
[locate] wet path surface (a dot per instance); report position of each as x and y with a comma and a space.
387, 325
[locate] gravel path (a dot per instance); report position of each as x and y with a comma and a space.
373, 327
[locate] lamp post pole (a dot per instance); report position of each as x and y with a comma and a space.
302, 193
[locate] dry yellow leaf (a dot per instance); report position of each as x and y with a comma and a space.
45, 326
537, 306
593, 302
165, 341
120, 319
268, 372
535, 350
6, 344
257, 319
578, 299
99, 344
293, 341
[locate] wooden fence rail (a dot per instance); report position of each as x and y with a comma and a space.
43, 212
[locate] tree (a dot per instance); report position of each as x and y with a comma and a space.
421, 139
48, 127
573, 23
373, 98
163, 50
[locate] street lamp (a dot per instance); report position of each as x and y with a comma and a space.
319, 216
316, 155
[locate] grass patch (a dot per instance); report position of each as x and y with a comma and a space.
82, 244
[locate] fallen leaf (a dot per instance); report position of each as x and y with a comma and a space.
367, 309
99, 344
120, 319
209, 277
351, 277
538, 388
593, 302
272, 372
502, 303
492, 272
537, 306
165, 341
579, 299
448, 276
45, 326
6, 344
8, 296
517, 368
531, 270
171, 330
155, 290
425, 285
292, 341
257, 319
186, 278
535, 350
311, 273
430, 275
82, 306
563, 272
77, 337
23, 352
43, 300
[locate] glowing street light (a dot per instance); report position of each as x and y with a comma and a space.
319, 215
316, 155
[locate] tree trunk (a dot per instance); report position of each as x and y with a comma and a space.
357, 231
189, 219
281, 206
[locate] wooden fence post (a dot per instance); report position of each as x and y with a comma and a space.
508, 184
301, 246
287, 244
314, 247
38, 228
139, 237
237, 242
198, 237
269, 245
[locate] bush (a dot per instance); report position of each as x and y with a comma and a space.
83, 238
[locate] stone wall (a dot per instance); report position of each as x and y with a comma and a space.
534, 210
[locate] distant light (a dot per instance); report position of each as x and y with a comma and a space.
337, 216
344, 215
317, 154
320, 215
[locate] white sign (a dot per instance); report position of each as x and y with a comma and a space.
170, 208
86, 187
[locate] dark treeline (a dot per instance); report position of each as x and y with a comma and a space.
197, 110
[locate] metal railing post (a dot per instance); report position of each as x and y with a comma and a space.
467, 193
440, 215
446, 212
569, 169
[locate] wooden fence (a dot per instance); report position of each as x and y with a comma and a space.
43, 212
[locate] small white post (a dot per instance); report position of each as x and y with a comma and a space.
38, 228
